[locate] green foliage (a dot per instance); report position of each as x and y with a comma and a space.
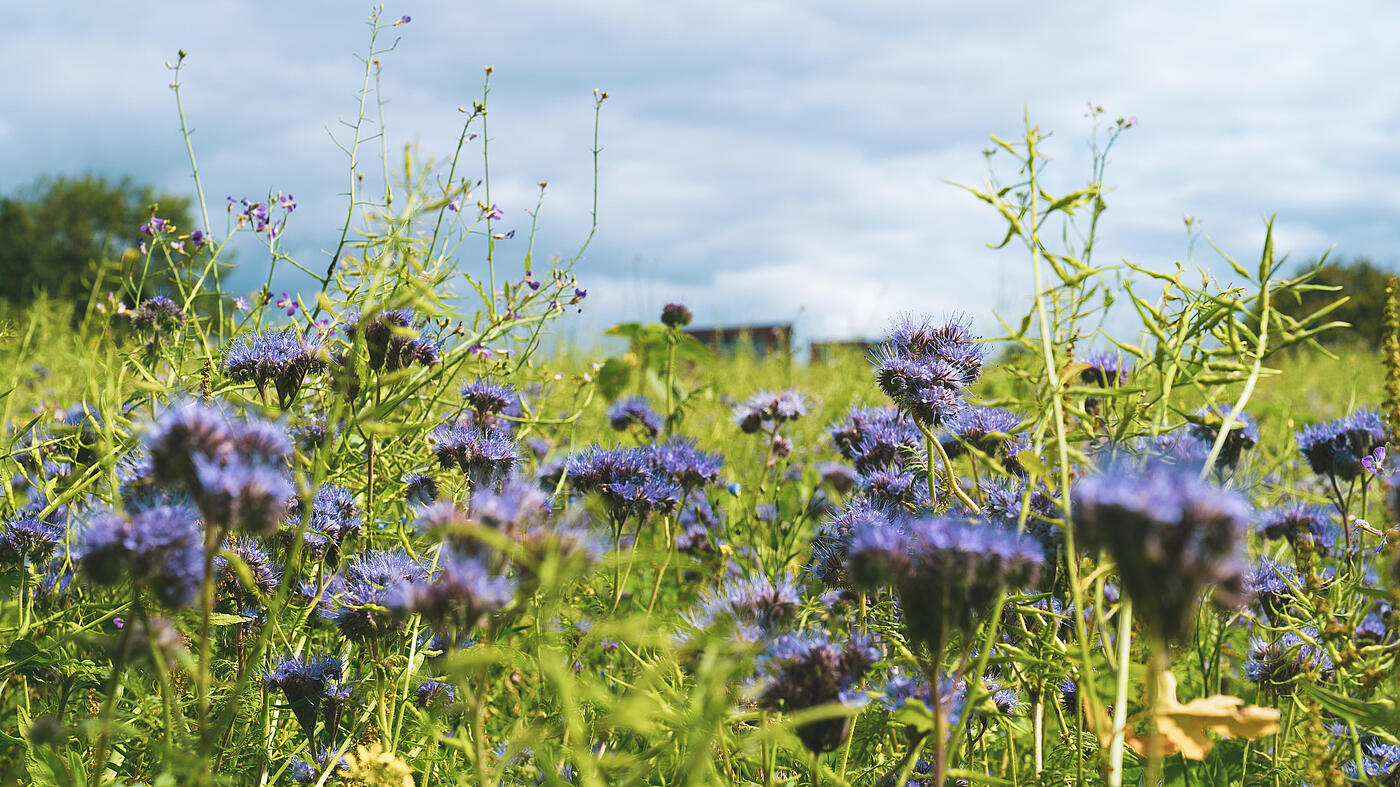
68, 236
1362, 283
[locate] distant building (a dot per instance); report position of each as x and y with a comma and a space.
758, 339
822, 352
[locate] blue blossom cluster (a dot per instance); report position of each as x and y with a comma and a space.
832, 542
392, 340
1335, 449
947, 572
1276, 664
1303, 526
235, 470
809, 669
756, 608
926, 368
1242, 437
335, 517
766, 411
635, 412
485, 457
638, 482
27, 537
281, 356
305, 683
160, 549
991, 430
1170, 533
158, 316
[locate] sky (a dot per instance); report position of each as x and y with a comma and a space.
784, 161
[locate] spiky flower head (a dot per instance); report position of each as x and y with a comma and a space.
27, 537
461, 594
990, 430
369, 584
1303, 525
833, 541
263, 572
680, 460
420, 489
1107, 369
160, 549
392, 341
808, 670
634, 411
158, 315
1005, 499
1242, 437
1276, 664
435, 696
304, 682
625, 480
895, 488
487, 398
281, 356
1335, 449
766, 410
947, 572
485, 457
748, 602
1171, 534
676, 315
926, 368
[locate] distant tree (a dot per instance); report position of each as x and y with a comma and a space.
1360, 280
60, 233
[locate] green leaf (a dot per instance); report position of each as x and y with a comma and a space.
21, 650
613, 378
225, 619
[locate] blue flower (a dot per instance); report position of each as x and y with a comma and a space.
420, 489
1106, 369
1243, 435
459, 596
370, 583
748, 601
485, 457
634, 411
767, 410
27, 537
684, 463
487, 398
989, 430
160, 549
1335, 449
280, 356
159, 316
807, 670
304, 682
832, 542
435, 695
1170, 533
1301, 524
1275, 664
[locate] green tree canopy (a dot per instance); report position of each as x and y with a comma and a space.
1363, 283
60, 233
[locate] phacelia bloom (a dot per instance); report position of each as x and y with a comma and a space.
27, 537
486, 458
335, 517
1004, 503
242, 496
420, 489
1107, 369
309, 772
833, 540
766, 410
517, 507
989, 430
1170, 533
748, 602
676, 315
947, 572
1372, 629
159, 316
388, 337
1275, 664
894, 488
459, 596
435, 696
1242, 437
1301, 524
487, 398
1335, 449
369, 584
625, 480
810, 670
681, 461
304, 682
1273, 588
634, 411
839, 477
262, 569
875, 436
160, 549
926, 368
283, 357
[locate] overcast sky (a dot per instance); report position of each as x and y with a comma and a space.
763, 161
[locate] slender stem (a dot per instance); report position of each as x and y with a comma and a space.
1120, 699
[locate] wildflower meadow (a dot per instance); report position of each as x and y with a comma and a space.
384, 531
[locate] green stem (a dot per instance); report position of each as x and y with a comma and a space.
1120, 699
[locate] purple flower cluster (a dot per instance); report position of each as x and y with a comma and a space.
766, 410
280, 356
1003, 502
676, 315
487, 399
334, 518
1276, 664
1301, 524
990, 430
947, 572
160, 549
392, 340
27, 537
1106, 369
305, 683
459, 595
1335, 449
1242, 437
485, 457
876, 438
366, 598
158, 316
804, 671
926, 368
235, 470
833, 541
635, 411
626, 479
755, 607
1170, 533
